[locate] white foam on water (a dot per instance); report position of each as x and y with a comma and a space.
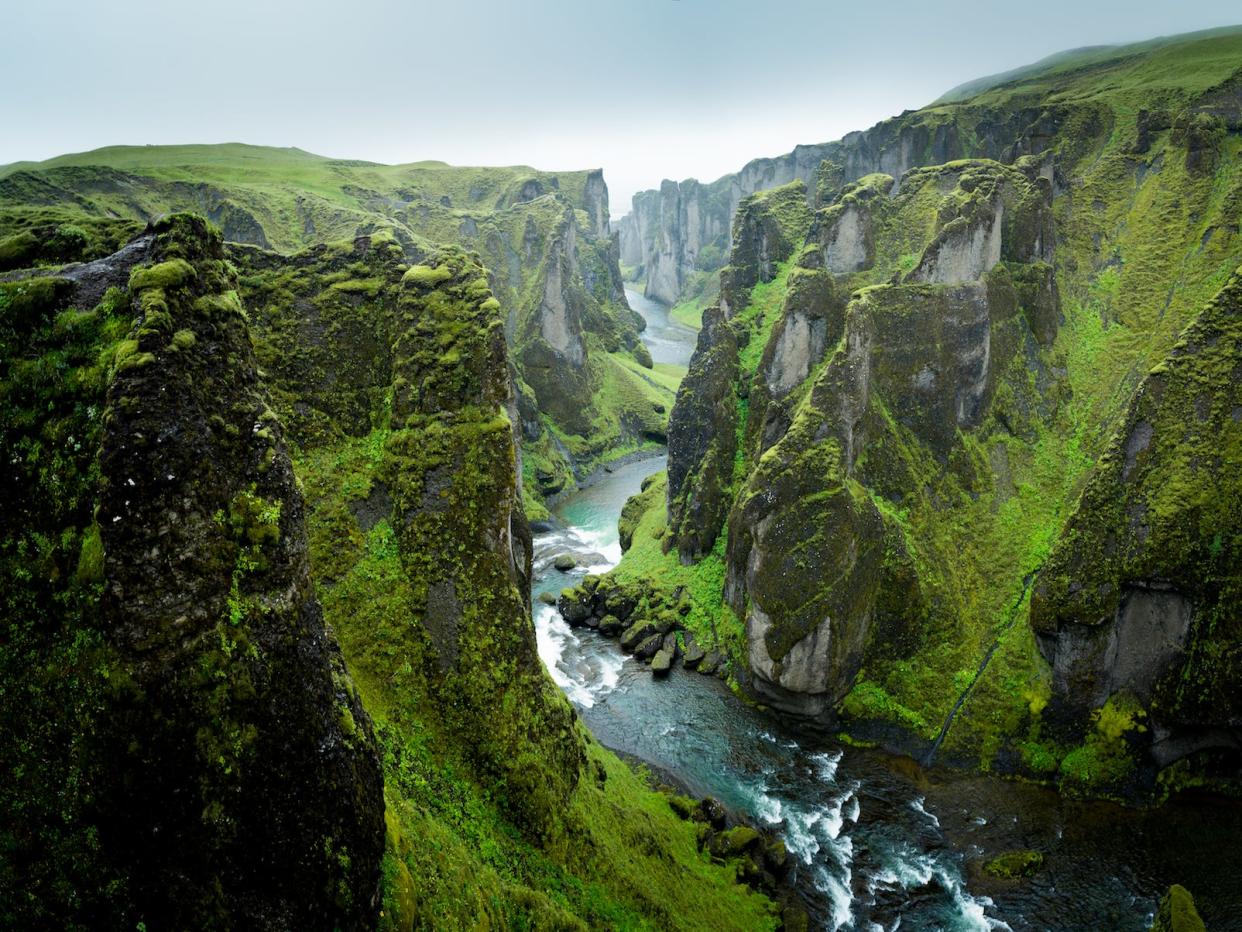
767, 808
839, 898
602, 542
800, 834
917, 805
770, 811
826, 765
855, 807
972, 911
553, 638
833, 820
913, 869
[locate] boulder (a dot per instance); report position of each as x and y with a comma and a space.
621, 603
611, 626
711, 663
662, 662
693, 654
575, 606
776, 857
547, 598
648, 647
672, 645
713, 812
636, 633
666, 621
736, 842
565, 562
1177, 912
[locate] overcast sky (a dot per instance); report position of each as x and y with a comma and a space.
647, 89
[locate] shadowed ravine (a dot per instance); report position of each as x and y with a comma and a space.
879, 842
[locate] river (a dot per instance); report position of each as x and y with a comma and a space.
878, 843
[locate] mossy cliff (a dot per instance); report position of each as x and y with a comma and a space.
1141, 593
924, 395
192, 750
583, 390
676, 238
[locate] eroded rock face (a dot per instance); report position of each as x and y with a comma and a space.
964, 253
668, 230
451, 464
560, 324
663, 235
595, 197
703, 424
799, 345
1136, 597
702, 439
846, 248
246, 780
814, 566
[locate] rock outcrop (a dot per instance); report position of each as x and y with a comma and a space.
233, 772
683, 228
545, 239
1140, 593
703, 439
928, 346
908, 414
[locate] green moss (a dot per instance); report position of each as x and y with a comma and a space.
18, 250
91, 558
183, 339
171, 274
1013, 865
1177, 912
427, 275
491, 822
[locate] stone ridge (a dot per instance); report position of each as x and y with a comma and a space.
234, 774
1140, 594
675, 238
544, 237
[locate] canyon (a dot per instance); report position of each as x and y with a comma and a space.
847, 540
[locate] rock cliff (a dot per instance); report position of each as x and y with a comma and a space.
233, 775
973, 387
203, 498
544, 238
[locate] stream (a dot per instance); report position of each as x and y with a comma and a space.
877, 842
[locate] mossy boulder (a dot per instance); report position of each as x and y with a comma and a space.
776, 857
694, 654
662, 662
1013, 865
574, 606
611, 626
648, 647
638, 632
737, 841
1177, 912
